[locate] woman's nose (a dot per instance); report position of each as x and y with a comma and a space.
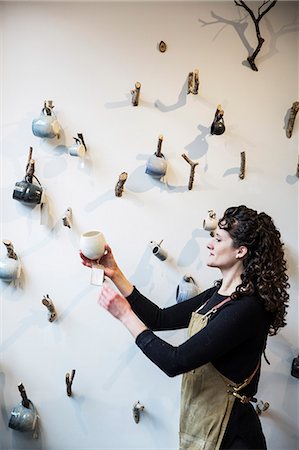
210, 245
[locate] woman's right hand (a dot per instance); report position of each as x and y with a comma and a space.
111, 268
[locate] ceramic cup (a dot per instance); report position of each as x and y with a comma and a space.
186, 289
156, 166
92, 244
22, 418
158, 251
46, 126
10, 269
27, 192
77, 150
210, 223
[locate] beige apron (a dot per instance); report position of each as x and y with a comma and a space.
205, 403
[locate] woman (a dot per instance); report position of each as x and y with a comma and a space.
228, 326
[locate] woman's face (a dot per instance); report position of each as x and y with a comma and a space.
222, 253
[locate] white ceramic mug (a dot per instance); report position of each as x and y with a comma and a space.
77, 150
211, 222
92, 244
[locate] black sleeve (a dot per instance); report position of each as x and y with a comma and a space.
171, 318
234, 324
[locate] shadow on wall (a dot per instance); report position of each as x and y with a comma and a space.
240, 26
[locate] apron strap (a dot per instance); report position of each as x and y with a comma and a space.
215, 308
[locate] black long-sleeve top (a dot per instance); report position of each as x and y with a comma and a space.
233, 340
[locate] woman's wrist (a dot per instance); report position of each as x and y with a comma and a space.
133, 323
122, 283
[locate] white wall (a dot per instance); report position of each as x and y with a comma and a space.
86, 57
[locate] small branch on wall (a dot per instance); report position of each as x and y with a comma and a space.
67, 218
47, 302
292, 117
69, 381
192, 170
30, 166
120, 184
159, 146
25, 401
135, 94
256, 21
242, 166
193, 82
10, 250
297, 171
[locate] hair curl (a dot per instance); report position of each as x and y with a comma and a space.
264, 263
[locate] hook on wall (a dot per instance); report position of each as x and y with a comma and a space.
67, 218
136, 93
162, 47
119, 188
193, 82
137, 409
192, 170
47, 302
69, 378
291, 120
242, 166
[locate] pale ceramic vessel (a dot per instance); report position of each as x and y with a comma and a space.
77, 150
186, 289
46, 126
92, 244
10, 269
210, 223
22, 418
156, 166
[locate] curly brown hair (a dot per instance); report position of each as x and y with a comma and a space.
264, 263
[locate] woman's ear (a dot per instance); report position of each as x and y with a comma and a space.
241, 252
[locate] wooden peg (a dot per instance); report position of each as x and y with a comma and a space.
30, 166
162, 47
69, 381
51, 309
135, 94
192, 170
67, 218
292, 117
10, 250
25, 401
242, 166
120, 184
159, 146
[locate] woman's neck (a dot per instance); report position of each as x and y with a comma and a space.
229, 283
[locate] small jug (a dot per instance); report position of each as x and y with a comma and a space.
79, 147
186, 289
210, 223
10, 267
46, 125
22, 418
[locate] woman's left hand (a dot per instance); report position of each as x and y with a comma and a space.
113, 302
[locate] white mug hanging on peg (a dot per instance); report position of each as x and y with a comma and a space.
79, 147
10, 267
92, 246
46, 125
210, 223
